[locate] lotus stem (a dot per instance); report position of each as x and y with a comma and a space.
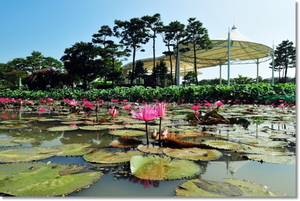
147, 132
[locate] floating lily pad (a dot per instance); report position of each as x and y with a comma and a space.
221, 144
193, 153
71, 122
227, 188
260, 142
248, 149
277, 158
151, 149
4, 143
94, 128
78, 149
23, 139
26, 154
40, 179
63, 128
126, 142
47, 119
128, 132
14, 122
13, 126
162, 168
102, 156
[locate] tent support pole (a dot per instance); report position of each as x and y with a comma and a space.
220, 74
273, 64
177, 71
257, 71
228, 60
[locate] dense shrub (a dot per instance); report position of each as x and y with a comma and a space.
243, 92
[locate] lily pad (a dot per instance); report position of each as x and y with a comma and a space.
126, 142
26, 154
221, 144
193, 153
4, 143
162, 168
151, 149
40, 179
260, 142
13, 126
94, 128
63, 128
227, 188
127, 132
102, 156
277, 158
78, 149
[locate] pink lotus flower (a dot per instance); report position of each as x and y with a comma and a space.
73, 102
127, 107
41, 109
114, 100
195, 107
147, 113
219, 103
161, 110
113, 112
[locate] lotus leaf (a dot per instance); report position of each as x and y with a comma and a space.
277, 158
154, 167
102, 156
94, 128
40, 179
128, 132
135, 126
78, 149
14, 122
260, 142
71, 122
227, 188
24, 139
13, 126
46, 120
248, 149
221, 144
25, 154
193, 153
63, 128
4, 143
126, 142
151, 149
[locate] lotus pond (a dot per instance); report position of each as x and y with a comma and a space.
238, 150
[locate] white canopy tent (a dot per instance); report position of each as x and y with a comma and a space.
229, 48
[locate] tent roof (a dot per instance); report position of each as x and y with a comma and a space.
242, 51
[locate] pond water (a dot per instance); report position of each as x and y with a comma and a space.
277, 177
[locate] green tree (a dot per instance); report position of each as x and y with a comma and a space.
243, 80
161, 71
173, 35
190, 77
285, 57
140, 71
133, 35
110, 53
154, 25
197, 36
81, 62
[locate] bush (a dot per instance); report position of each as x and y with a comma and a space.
244, 92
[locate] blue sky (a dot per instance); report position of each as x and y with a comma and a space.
50, 26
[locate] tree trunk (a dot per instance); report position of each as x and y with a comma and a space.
195, 63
